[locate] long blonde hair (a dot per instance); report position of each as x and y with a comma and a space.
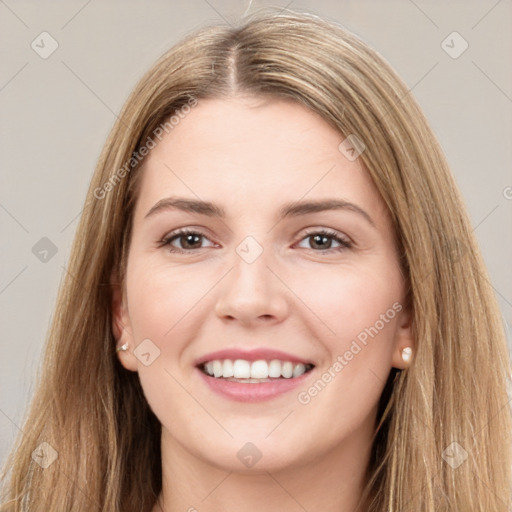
92, 412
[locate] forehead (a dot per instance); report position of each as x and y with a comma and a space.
253, 151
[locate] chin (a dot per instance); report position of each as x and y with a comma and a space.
250, 455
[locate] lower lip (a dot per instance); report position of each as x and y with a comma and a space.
255, 391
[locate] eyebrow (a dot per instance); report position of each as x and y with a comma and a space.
294, 209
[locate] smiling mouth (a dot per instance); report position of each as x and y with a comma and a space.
252, 372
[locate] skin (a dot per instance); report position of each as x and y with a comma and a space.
250, 156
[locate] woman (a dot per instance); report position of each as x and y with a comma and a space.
274, 300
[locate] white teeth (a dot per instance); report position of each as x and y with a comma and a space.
252, 371
287, 370
227, 368
274, 368
241, 369
217, 368
298, 369
259, 370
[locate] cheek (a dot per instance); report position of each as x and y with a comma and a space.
349, 302
160, 297
359, 310
161, 302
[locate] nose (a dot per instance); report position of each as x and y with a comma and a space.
252, 294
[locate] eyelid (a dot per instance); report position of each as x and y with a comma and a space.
327, 232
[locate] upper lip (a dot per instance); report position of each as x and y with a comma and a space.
251, 355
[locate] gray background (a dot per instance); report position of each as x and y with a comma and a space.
56, 113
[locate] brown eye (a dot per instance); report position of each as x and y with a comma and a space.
323, 241
188, 241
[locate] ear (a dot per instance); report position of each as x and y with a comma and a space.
121, 326
403, 338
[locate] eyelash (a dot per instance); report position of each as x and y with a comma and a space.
344, 244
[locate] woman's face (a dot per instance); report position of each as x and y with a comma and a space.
273, 279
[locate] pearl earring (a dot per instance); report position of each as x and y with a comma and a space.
406, 354
122, 348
